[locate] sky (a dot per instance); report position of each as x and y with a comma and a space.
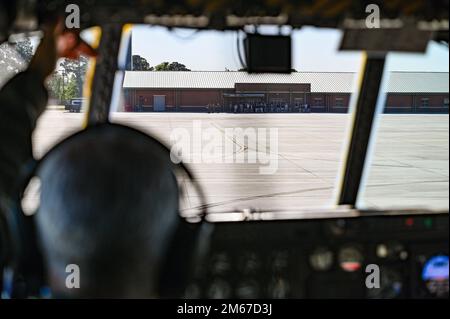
313, 50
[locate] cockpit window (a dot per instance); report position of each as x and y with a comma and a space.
266, 141
410, 155
258, 141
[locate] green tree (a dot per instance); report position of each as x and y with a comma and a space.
174, 66
77, 70
141, 64
71, 89
62, 87
55, 86
164, 66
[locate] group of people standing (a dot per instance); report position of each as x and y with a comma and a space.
214, 108
271, 107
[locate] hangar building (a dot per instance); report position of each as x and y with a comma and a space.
194, 91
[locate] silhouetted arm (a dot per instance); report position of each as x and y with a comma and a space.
22, 101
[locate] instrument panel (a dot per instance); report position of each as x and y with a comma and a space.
364, 257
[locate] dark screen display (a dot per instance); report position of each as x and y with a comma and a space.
268, 54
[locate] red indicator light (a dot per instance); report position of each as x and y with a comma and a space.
351, 266
409, 222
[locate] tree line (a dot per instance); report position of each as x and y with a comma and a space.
141, 64
65, 83
68, 79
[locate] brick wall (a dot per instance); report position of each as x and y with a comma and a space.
197, 99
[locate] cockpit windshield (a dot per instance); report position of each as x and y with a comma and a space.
268, 141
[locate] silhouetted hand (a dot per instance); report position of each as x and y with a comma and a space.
58, 43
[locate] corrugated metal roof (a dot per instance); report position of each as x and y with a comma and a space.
332, 82
418, 82
320, 82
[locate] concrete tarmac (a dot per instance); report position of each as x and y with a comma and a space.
302, 157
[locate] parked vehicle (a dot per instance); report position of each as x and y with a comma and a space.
74, 105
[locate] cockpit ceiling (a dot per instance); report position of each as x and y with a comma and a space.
226, 14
